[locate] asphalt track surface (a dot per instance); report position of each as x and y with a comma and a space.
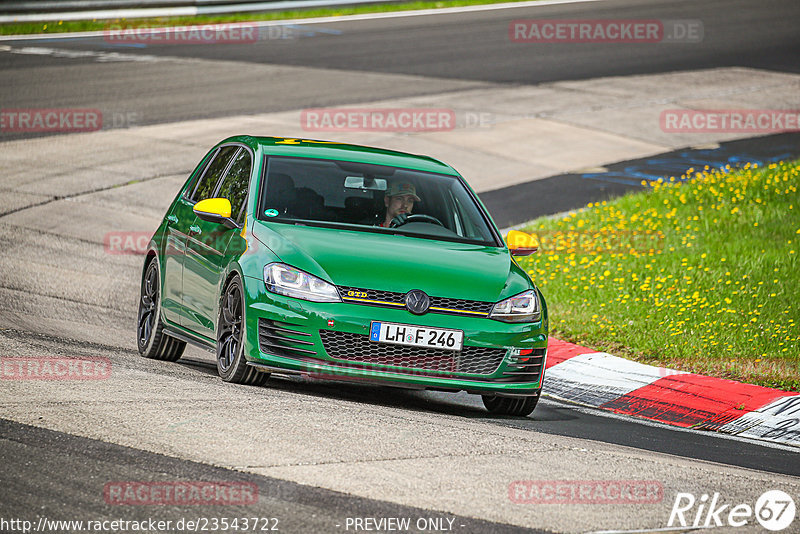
57, 474
512, 205
438, 53
83, 465
45, 472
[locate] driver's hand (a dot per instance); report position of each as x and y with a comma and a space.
400, 220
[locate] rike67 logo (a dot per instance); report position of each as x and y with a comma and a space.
774, 510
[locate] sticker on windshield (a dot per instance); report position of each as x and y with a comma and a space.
271, 213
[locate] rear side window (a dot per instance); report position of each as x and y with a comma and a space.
234, 185
208, 183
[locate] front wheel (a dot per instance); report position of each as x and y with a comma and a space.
231, 363
520, 406
152, 341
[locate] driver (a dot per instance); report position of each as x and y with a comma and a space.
399, 200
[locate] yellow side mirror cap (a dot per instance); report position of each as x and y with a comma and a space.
215, 210
521, 243
220, 207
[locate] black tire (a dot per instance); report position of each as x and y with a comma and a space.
520, 406
153, 343
231, 363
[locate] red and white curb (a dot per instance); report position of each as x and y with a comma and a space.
600, 380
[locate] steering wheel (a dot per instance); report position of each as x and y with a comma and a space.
402, 219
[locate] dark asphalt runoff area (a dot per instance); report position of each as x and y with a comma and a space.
514, 204
54, 475
451, 51
563, 419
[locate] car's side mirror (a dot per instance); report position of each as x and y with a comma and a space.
521, 243
216, 210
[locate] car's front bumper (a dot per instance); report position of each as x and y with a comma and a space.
331, 341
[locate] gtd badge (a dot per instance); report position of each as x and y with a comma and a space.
417, 302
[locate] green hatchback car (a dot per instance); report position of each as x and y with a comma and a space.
343, 262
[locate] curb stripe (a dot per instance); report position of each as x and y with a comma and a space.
677, 398
690, 400
778, 421
598, 378
559, 351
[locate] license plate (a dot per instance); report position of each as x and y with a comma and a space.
416, 336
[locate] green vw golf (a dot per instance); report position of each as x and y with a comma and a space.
343, 262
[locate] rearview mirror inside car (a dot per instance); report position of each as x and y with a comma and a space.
365, 182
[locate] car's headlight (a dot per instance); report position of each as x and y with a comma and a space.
522, 308
286, 280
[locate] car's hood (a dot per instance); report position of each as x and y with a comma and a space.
395, 262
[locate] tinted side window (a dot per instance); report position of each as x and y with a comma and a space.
198, 173
234, 185
208, 183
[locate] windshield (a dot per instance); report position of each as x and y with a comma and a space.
373, 198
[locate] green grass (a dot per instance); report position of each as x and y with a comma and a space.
99, 25
700, 275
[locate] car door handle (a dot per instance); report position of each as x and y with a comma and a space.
172, 218
194, 229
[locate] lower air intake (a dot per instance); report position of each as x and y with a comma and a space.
358, 348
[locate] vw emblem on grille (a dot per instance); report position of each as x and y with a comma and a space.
417, 301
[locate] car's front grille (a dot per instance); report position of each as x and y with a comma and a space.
284, 339
525, 367
393, 299
358, 348
441, 303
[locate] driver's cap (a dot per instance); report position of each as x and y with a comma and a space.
402, 188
